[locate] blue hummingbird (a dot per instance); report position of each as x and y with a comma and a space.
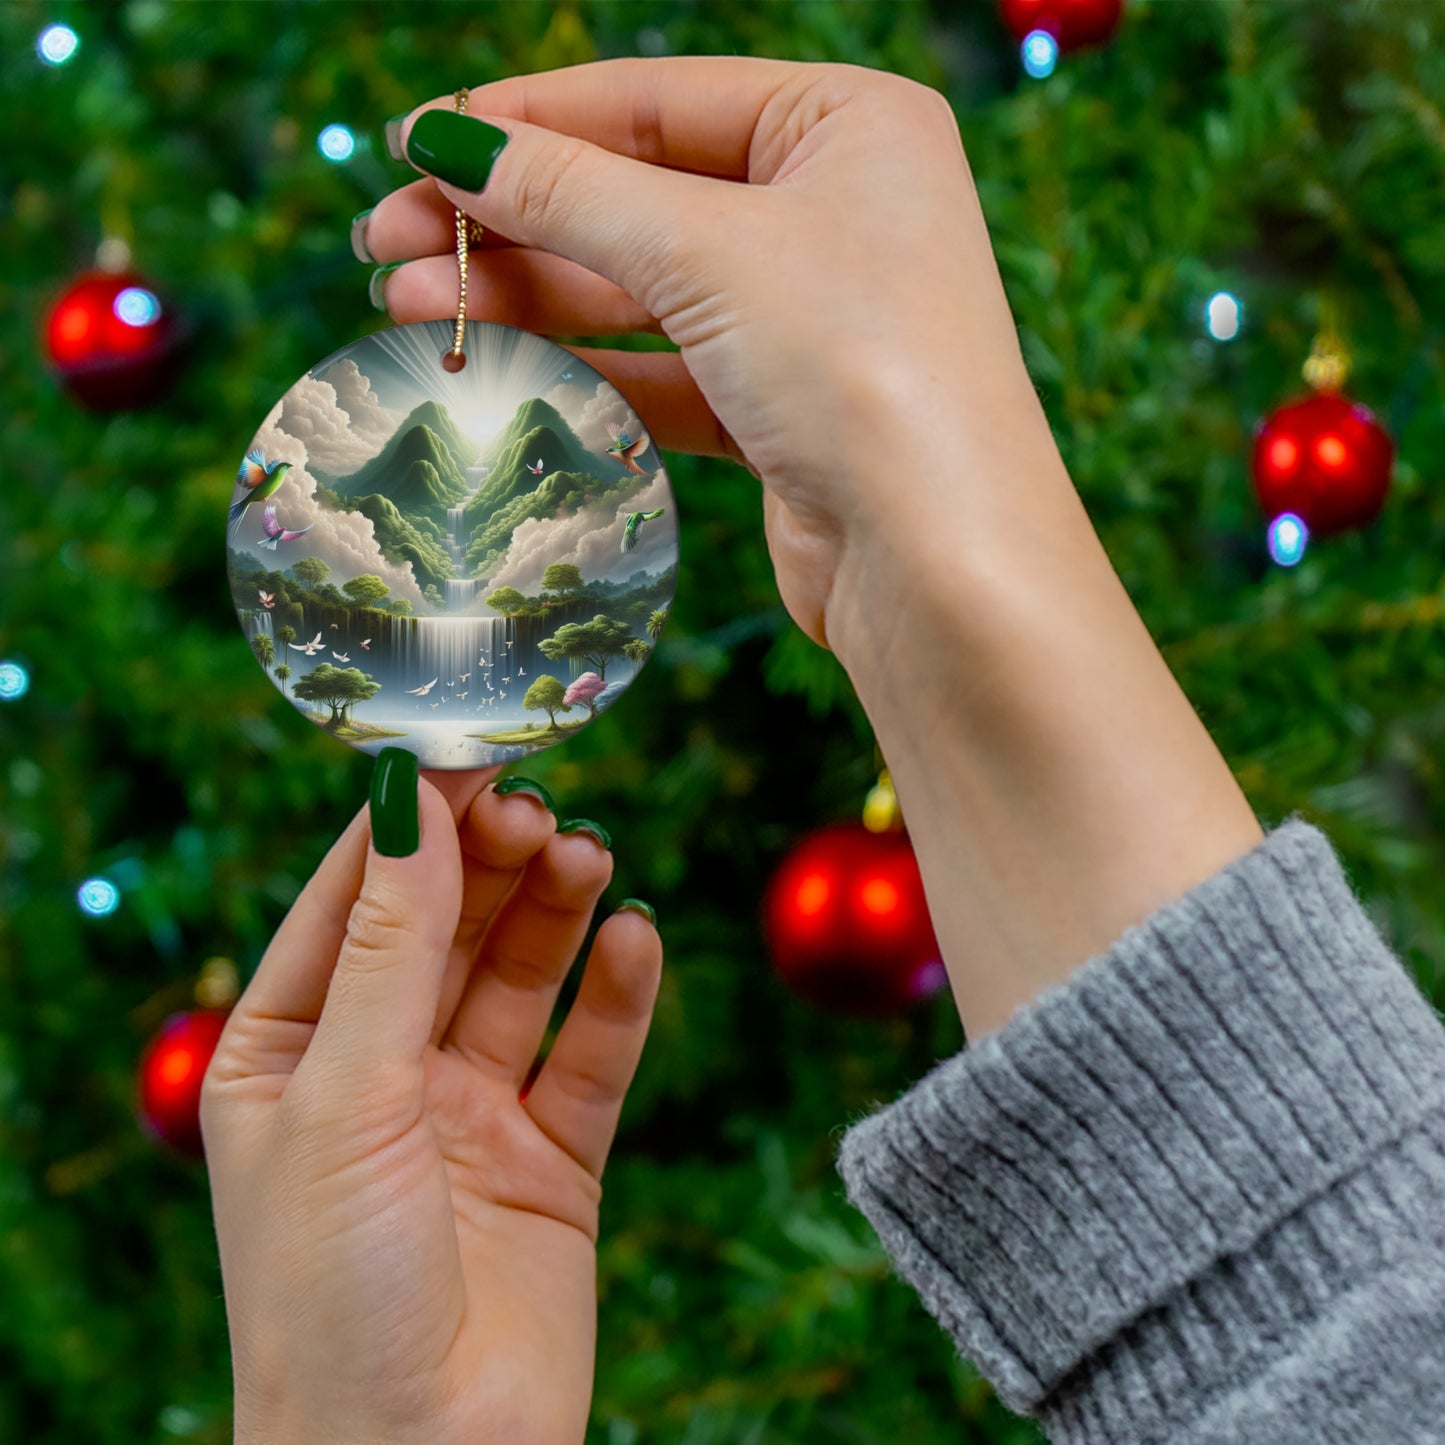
260, 478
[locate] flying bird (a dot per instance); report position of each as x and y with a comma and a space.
422, 691
268, 599
335, 626
462, 696
309, 648
340, 656
260, 479
535, 471
521, 672
625, 450
634, 526
274, 531
366, 644
509, 642
566, 376
464, 675
506, 679
433, 705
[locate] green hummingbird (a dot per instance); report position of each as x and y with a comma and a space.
260, 479
634, 526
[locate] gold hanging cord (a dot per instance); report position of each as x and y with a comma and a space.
469, 233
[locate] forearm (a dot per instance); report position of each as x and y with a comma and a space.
1056, 782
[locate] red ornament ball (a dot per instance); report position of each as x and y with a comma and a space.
1324, 458
112, 341
1073, 23
847, 923
171, 1072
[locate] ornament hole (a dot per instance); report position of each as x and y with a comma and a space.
453, 360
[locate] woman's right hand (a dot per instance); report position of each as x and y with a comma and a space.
842, 326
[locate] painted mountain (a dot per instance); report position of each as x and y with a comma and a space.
407, 487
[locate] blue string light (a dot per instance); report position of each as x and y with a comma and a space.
1288, 537
336, 143
57, 44
1040, 52
1223, 316
98, 897
14, 681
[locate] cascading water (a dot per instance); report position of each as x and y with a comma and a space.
461, 592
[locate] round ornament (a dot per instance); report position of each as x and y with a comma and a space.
112, 341
847, 923
469, 563
1326, 460
172, 1070
1073, 23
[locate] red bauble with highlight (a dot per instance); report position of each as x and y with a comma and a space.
847, 923
172, 1070
112, 341
1324, 458
1073, 23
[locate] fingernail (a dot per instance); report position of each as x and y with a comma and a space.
359, 247
395, 820
376, 289
636, 905
393, 137
525, 785
455, 148
586, 825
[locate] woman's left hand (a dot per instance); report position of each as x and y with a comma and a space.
407, 1246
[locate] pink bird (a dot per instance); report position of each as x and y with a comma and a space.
537, 470
275, 532
366, 644
268, 599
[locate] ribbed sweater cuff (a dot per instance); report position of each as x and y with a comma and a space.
1169, 1150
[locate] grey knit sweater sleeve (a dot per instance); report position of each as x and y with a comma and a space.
1196, 1192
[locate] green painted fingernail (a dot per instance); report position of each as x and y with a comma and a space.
395, 812
586, 825
359, 247
636, 905
455, 148
393, 136
377, 288
525, 785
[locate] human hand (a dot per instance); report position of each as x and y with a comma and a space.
408, 1248
841, 319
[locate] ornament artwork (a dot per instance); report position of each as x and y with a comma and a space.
113, 343
445, 535
1323, 459
1073, 24
847, 924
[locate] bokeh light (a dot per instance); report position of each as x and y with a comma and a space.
1040, 53
336, 143
137, 307
1223, 316
57, 44
98, 897
1288, 537
14, 681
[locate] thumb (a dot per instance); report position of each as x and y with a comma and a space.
382, 999
633, 223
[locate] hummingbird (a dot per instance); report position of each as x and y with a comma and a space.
626, 450
274, 531
634, 526
260, 479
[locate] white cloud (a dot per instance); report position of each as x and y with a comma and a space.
345, 541
339, 419
592, 539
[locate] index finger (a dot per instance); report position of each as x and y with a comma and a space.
695, 113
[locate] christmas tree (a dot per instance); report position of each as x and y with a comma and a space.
1281, 157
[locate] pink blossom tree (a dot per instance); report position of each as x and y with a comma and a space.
585, 690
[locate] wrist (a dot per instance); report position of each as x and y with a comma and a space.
1057, 784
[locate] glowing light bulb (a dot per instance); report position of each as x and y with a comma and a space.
1040, 52
1223, 316
98, 897
336, 143
1283, 454
878, 897
137, 307
1288, 537
57, 44
1331, 451
14, 681
812, 895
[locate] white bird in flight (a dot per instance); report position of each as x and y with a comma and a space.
521, 672
422, 691
537, 470
309, 648
341, 656
366, 644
